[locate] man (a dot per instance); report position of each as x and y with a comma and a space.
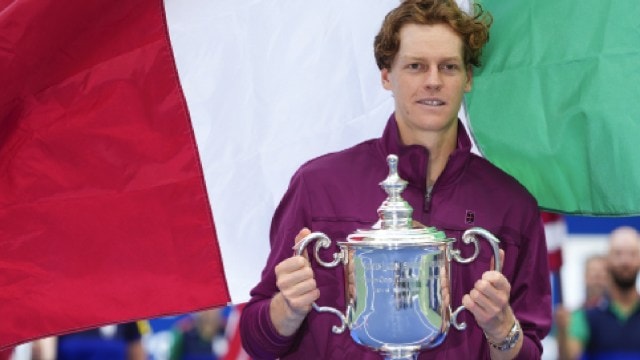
611, 330
425, 51
596, 282
113, 342
199, 336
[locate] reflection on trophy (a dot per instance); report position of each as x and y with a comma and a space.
397, 278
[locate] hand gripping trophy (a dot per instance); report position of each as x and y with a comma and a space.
397, 277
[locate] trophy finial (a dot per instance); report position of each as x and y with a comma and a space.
395, 212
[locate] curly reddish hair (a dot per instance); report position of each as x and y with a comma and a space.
473, 29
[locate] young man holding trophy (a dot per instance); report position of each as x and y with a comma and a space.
425, 51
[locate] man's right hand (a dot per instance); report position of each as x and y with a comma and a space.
298, 290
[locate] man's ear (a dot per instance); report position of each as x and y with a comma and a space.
384, 76
469, 83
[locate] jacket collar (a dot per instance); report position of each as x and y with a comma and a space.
413, 159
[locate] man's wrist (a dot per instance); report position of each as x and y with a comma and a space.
285, 320
508, 342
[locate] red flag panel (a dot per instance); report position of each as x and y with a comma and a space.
104, 216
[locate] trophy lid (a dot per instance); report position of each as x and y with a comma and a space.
395, 222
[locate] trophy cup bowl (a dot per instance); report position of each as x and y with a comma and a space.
397, 278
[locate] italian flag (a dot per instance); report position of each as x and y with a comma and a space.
144, 145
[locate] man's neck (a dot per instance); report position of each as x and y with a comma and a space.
439, 143
440, 148
437, 162
626, 300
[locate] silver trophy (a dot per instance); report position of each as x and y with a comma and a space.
397, 277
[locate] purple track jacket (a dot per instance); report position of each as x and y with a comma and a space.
338, 193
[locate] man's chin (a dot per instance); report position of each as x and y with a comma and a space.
625, 282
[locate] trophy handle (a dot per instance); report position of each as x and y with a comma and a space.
323, 241
468, 237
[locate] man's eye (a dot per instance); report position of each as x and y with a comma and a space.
414, 66
449, 67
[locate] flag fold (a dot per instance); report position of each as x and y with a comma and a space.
104, 215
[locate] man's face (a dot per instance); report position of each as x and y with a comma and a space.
428, 79
624, 259
596, 277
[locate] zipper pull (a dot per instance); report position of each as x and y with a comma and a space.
427, 200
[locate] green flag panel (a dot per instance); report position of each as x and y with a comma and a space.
557, 102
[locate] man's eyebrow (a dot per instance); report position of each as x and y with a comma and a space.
412, 58
452, 58
422, 58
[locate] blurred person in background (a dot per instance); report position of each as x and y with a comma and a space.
200, 336
114, 342
596, 281
44, 349
611, 329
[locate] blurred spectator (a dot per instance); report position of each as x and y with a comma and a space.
611, 329
200, 336
44, 349
115, 342
596, 280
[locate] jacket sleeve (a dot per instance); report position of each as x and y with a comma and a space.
531, 289
259, 337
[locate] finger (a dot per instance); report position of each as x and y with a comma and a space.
482, 313
300, 289
292, 271
483, 301
291, 265
497, 280
478, 312
301, 234
300, 298
299, 282
494, 290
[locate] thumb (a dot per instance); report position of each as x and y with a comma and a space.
301, 235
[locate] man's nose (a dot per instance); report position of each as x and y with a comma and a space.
433, 78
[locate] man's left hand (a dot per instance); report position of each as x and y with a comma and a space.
488, 301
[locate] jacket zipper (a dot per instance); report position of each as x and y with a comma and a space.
427, 199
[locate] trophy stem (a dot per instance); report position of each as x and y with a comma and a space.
400, 353
412, 356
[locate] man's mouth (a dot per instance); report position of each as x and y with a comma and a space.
431, 102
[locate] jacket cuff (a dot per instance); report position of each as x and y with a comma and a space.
274, 340
529, 349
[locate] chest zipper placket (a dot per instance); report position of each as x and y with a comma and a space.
427, 199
